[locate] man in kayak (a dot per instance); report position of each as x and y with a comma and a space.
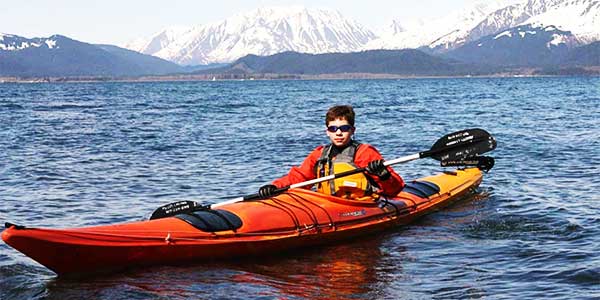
343, 154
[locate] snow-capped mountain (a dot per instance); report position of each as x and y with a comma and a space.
469, 19
159, 40
263, 31
271, 30
521, 46
580, 17
436, 32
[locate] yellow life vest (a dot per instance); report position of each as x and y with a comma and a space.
354, 186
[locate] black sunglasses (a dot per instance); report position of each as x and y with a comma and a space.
343, 128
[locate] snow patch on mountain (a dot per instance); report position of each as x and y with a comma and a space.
524, 45
18, 45
505, 33
558, 36
557, 40
50, 43
9, 42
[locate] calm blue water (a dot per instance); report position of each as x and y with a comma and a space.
100, 153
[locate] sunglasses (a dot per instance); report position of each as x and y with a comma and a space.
343, 128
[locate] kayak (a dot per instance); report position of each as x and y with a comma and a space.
294, 219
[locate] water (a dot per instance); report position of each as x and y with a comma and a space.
101, 153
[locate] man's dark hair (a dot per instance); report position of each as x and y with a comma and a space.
340, 112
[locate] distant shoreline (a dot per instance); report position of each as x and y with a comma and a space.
589, 72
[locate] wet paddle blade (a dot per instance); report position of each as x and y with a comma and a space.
175, 208
461, 145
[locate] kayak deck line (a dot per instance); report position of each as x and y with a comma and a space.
215, 235
300, 227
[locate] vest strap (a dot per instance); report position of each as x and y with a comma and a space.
326, 165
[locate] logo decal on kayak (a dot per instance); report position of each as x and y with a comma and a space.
357, 213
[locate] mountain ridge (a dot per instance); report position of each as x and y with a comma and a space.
273, 30
59, 55
410, 62
265, 31
568, 15
269, 31
521, 46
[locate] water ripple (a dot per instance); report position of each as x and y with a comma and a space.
101, 153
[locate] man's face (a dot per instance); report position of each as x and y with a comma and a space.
342, 132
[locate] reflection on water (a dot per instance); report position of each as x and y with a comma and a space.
334, 272
343, 271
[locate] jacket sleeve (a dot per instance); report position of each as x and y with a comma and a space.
390, 187
304, 172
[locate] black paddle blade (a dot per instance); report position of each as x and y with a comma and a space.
461, 145
484, 163
175, 208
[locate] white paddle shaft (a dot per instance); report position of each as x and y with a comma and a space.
326, 178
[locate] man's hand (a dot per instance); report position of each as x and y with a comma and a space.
377, 168
266, 191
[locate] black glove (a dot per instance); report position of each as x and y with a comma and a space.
377, 168
266, 191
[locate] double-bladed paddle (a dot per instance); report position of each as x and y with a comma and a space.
464, 145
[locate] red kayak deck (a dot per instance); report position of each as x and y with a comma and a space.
297, 218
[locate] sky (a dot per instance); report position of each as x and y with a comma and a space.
120, 21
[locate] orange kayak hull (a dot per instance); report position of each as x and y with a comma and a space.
297, 218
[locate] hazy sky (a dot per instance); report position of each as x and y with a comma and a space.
120, 21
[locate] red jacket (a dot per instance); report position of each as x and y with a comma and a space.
364, 154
